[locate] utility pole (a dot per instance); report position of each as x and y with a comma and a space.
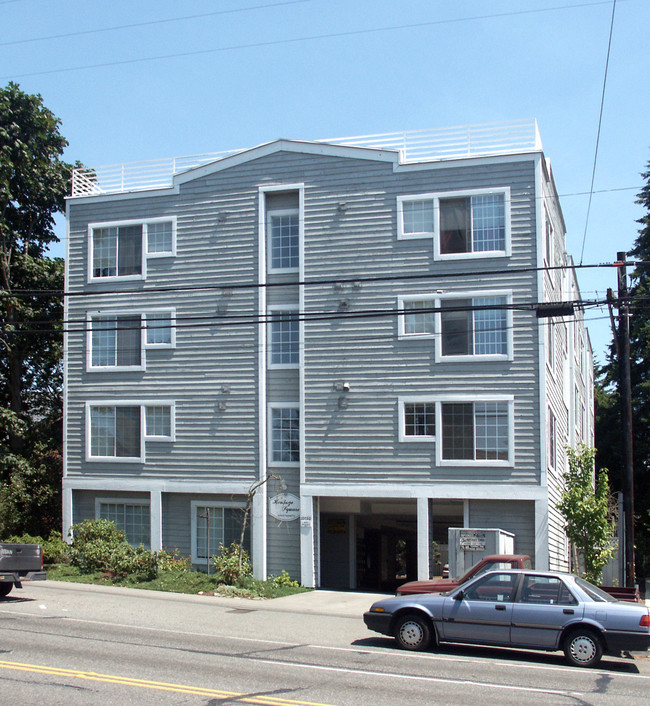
625, 394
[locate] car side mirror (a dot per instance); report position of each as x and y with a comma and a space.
459, 596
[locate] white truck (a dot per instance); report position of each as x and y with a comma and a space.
18, 563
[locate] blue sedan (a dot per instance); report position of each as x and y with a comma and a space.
518, 608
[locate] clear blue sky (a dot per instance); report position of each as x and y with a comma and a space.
236, 73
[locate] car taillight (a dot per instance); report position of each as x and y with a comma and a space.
41, 558
645, 621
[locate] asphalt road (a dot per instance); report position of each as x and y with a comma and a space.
71, 644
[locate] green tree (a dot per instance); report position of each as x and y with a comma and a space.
608, 418
587, 512
33, 183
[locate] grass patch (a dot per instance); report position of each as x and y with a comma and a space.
192, 582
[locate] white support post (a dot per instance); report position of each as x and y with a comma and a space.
155, 518
423, 535
307, 521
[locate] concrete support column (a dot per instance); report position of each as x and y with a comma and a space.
66, 512
541, 535
258, 533
424, 539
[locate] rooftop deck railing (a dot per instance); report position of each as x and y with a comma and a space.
413, 146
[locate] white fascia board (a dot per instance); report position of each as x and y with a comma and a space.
111, 483
455, 162
438, 491
123, 195
269, 148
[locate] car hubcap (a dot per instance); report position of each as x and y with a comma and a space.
583, 649
411, 634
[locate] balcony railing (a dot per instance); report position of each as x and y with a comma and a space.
413, 146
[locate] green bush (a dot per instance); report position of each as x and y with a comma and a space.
283, 580
55, 550
172, 561
95, 543
227, 564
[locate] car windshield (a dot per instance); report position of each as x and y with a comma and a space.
594, 592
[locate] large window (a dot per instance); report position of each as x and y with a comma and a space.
132, 518
117, 432
468, 223
284, 239
116, 341
120, 249
215, 524
285, 435
285, 338
472, 224
475, 431
477, 326
465, 431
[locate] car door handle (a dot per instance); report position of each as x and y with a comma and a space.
500, 607
568, 611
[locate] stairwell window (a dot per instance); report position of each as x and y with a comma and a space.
284, 234
285, 435
284, 339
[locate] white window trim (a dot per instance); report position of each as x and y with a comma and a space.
160, 346
194, 504
415, 399
439, 401
89, 343
144, 346
552, 431
145, 254
435, 197
401, 319
474, 358
172, 420
123, 501
282, 308
269, 239
143, 422
269, 451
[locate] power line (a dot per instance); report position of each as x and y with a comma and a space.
307, 283
600, 122
148, 23
331, 35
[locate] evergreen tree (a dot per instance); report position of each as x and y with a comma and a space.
608, 418
33, 183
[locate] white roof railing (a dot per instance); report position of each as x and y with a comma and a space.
414, 146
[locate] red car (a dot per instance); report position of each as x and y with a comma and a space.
494, 561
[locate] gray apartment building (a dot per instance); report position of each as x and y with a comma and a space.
349, 325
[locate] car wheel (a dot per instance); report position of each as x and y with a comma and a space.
413, 632
583, 648
5, 588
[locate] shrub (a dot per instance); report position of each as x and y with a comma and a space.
284, 580
95, 544
55, 550
172, 561
228, 568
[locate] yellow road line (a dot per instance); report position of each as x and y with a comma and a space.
161, 686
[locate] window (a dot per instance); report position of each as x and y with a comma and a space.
285, 338
495, 587
468, 432
116, 432
549, 240
116, 341
158, 421
475, 431
418, 317
550, 344
419, 421
284, 238
546, 590
552, 440
473, 222
472, 327
132, 518
214, 524
418, 217
160, 329
118, 249
285, 435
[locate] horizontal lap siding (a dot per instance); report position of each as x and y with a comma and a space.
515, 516
359, 443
